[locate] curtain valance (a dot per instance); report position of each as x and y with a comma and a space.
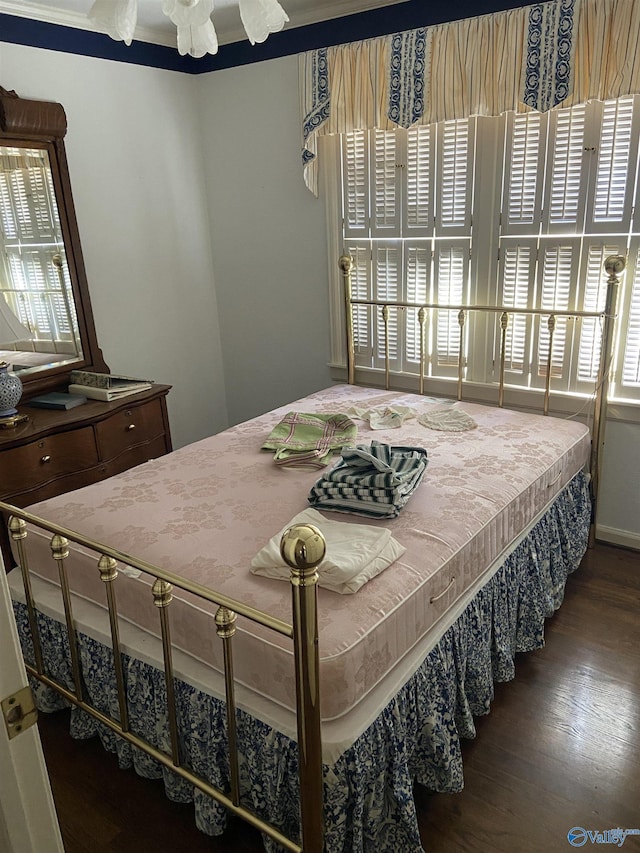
536, 57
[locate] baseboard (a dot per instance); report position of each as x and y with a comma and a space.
624, 538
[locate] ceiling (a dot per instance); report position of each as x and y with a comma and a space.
155, 28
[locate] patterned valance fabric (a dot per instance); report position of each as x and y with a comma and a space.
537, 57
548, 54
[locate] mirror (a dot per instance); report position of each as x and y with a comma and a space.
46, 321
34, 276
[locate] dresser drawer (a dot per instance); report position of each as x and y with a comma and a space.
27, 467
129, 427
56, 451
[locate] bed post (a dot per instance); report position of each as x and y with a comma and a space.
303, 547
60, 551
613, 265
346, 265
18, 531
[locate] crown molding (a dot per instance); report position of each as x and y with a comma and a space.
315, 13
48, 14
329, 10
76, 20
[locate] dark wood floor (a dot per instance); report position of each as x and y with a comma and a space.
560, 748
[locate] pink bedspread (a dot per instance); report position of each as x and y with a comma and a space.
205, 510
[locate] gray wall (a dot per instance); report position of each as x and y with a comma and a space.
267, 237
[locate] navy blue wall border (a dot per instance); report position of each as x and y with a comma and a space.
388, 19
17, 30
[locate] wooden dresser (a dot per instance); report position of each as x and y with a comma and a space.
56, 451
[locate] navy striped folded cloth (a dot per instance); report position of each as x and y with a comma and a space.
376, 480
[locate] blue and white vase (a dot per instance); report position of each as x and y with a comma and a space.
10, 391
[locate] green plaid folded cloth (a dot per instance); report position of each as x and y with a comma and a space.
304, 440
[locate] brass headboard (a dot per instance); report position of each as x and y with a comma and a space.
613, 265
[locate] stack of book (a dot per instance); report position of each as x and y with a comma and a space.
105, 386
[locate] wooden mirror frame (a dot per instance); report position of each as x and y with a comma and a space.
22, 123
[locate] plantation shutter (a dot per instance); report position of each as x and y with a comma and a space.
524, 168
30, 226
399, 190
454, 172
630, 373
569, 195
386, 168
30, 214
420, 167
387, 265
610, 209
517, 270
570, 171
417, 276
361, 289
452, 244
355, 184
451, 272
557, 274
566, 172
592, 298
614, 170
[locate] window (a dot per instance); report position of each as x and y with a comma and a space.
519, 211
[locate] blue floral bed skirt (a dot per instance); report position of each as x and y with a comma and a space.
369, 806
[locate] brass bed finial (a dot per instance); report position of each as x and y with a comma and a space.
302, 548
614, 265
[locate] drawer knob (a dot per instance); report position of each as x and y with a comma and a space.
130, 427
45, 459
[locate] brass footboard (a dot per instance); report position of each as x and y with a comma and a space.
303, 548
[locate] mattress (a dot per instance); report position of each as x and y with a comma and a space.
205, 510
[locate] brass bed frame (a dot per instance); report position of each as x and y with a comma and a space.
302, 547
